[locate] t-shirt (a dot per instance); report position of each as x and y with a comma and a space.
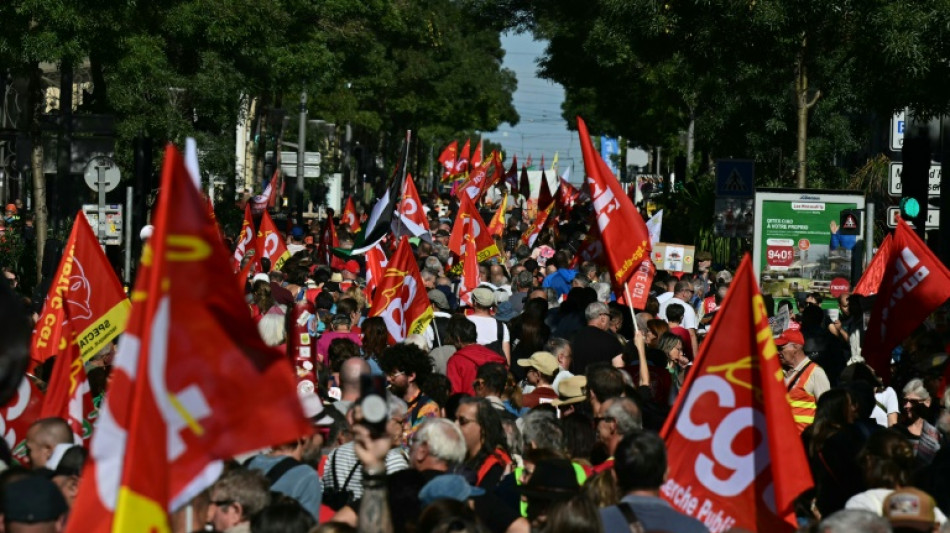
689, 314
300, 482
654, 514
593, 345
885, 403
343, 459
538, 396
488, 330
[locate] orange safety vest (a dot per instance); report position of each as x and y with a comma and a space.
802, 403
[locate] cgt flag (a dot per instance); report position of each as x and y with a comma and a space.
470, 276
349, 218
496, 227
913, 285
468, 216
401, 297
871, 279
270, 244
411, 220
244, 239
447, 160
625, 235
193, 383
68, 395
735, 458
86, 290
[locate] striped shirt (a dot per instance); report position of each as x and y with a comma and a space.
342, 460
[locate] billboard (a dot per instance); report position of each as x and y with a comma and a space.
797, 245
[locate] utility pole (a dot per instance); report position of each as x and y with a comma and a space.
301, 155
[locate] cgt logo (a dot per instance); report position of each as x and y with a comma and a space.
909, 273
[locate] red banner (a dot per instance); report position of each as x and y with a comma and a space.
871, 280
410, 210
87, 290
68, 395
625, 235
462, 164
270, 244
468, 216
349, 218
401, 297
914, 284
497, 225
735, 458
447, 160
244, 238
193, 383
18, 415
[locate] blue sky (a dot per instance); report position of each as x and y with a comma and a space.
542, 130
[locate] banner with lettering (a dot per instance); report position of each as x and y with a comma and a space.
401, 297
735, 458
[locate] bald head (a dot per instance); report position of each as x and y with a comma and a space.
43, 436
350, 373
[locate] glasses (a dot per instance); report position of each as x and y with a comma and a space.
913, 401
396, 374
222, 503
599, 419
462, 421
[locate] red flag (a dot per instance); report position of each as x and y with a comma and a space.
68, 395
468, 216
474, 185
375, 263
18, 415
871, 280
735, 458
545, 198
447, 160
270, 244
86, 285
244, 238
497, 225
193, 383
470, 276
462, 165
640, 283
625, 235
497, 171
531, 234
401, 297
410, 211
915, 283
268, 198
477, 156
349, 219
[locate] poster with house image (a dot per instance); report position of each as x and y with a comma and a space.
673, 257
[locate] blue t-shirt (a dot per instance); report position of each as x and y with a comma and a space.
654, 513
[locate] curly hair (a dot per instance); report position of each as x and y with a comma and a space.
375, 336
887, 460
407, 358
339, 351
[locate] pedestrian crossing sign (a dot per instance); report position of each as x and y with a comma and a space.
735, 178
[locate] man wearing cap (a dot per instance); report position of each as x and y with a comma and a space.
542, 367
804, 379
435, 334
491, 332
296, 241
341, 325
34, 504
910, 509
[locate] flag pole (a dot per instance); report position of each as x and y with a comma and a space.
633, 313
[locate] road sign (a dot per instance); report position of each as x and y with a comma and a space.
894, 179
898, 125
112, 221
105, 166
735, 177
933, 217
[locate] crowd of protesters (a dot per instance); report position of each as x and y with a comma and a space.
538, 407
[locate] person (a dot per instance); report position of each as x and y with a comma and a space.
551, 483
832, 444
491, 379
487, 454
350, 372
341, 324
286, 516
682, 294
911, 509
33, 504
640, 467
677, 364
287, 474
407, 368
674, 315
561, 349
562, 277
542, 369
616, 418
375, 340
851, 520
236, 496
804, 379
593, 343
463, 365
491, 332
42, 438
922, 435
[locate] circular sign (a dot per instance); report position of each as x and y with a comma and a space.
779, 255
839, 286
803, 244
104, 166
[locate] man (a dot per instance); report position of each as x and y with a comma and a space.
287, 474
641, 468
804, 379
682, 294
492, 333
593, 343
406, 367
490, 382
350, 373
560, 280
674, 316
603, 383
10, 276
277, 290
668, 284
296, 241
703, 264
521, 284
435, 334
542, 367
42, 438
561, 349
615, 419
463, 365
238, 495
33, 504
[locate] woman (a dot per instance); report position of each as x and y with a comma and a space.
375, 340
832, 445
886, 408
677, 364
262, 302
486, 446
923, 437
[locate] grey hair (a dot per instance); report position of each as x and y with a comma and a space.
539, 429
916, 386
428, 275
626, 414
556, 344
848, 520
552, 297
247, 487
397, 406
272, 328
433, 263
642, 319
603, 291
523, 280
444, 439
512, 436
596, 309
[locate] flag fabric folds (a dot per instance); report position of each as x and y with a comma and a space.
68, 395
468, 282
412, 220
625, 236
734, 455
268, 198
655, 227
462, 164
496, 227
524, 186
401, 297
468, 216
447, 160
531, 234
87, 290
874, 273
193, 383
545, 198
270, 244
244, 238
18, 415
349, 218
914, 284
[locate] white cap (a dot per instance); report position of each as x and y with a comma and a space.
260, 276
146, 232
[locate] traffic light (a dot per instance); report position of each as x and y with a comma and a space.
915, 179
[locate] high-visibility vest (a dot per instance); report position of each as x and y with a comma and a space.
802, 403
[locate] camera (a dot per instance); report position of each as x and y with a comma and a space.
373, 403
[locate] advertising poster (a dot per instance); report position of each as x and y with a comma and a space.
798, 247
673, 257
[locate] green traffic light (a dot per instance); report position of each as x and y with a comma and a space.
910, 208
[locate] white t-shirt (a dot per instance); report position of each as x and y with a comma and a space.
689, 314
487, 330
888, 399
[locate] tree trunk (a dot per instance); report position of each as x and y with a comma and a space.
690, 142
40, 211
803, 104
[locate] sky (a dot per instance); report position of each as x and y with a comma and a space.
541, 130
